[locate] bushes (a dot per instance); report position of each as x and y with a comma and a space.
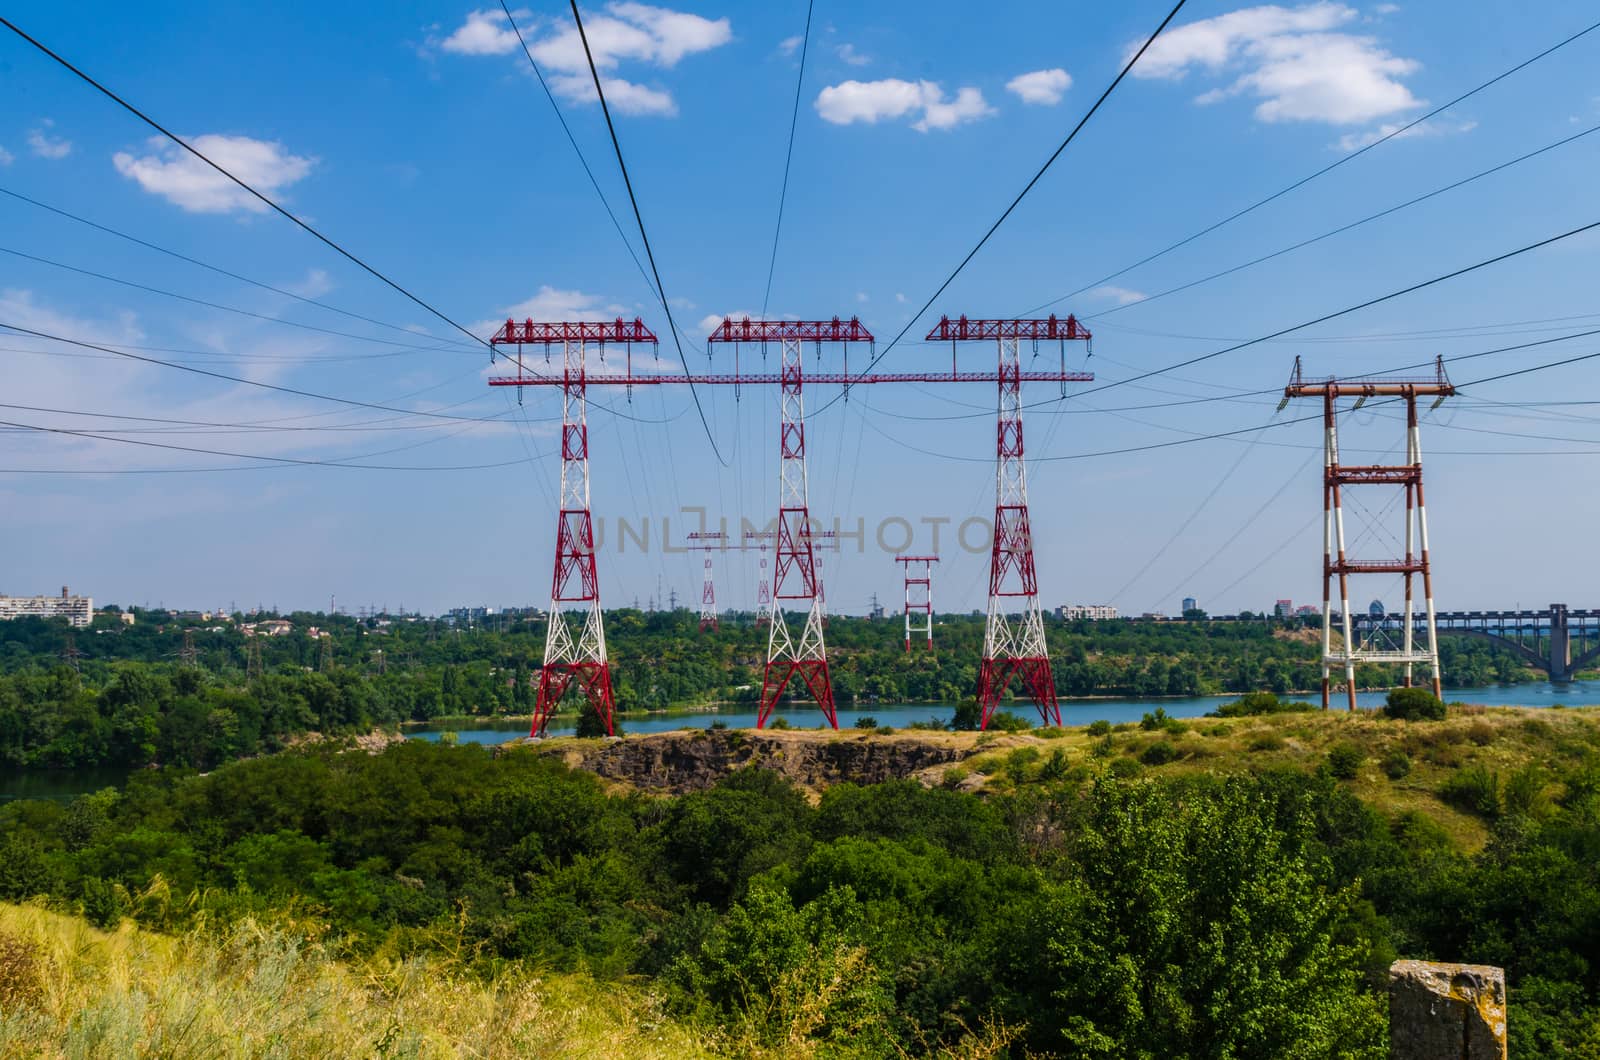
1159, 753
1396, 764
866, 721
1005, 721
1344, 760
1253, 703
1475, 789
591, 725
1414, 704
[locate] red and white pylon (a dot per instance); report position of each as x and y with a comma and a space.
568, 658
708, 542
1013, 645
763, 592
919, 596
794, 576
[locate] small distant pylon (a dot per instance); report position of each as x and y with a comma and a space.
70, 654
188, 655
919, 596
708, 541
252, 661
325, 657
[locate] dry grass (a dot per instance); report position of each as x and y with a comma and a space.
255, 991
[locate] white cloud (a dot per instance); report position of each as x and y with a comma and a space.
46, 146
6, 157
848, 54
898, 297
187, 182
790, 45
1385, 9
552, 303
1293, 59
1045, 87
316, 284
628, 32
1119, 295
874, 101
861, 296
484, 33
1356, 141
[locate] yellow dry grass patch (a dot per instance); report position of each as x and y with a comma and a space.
256, 991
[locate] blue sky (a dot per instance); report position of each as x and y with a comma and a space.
416, 135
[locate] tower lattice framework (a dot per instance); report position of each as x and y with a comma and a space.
919, 596
1336, 563
574, 656
1013, 642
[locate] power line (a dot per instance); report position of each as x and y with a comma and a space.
257, 383
211, 305
1145, 300
573, 140
788, 158
1350, 309
1330, 167
158, 127
644, 237
219, 270
1014, 202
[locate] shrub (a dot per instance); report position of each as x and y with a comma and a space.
1104, 747
1525, 795
967, 717
1481, 733
719, 725
1158, 719
1344, 760
1050, 732
1396, 764
1123, 768
1475, 790
1054, 767
1254, 703
780, 722
1266, 741
1159, 753
884, 730
1005, 721
591, 724
866, 721
1019, 763
1414, 704
930, 725
1099, 728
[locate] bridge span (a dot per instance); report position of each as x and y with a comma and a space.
1558, 640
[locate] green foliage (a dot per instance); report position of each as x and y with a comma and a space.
1396, 764
1099, 728
1005, 721
1414, 704
866, 721
968, 716
591, 725
1254, 703
1159, 753
1475, 789
1124, 768
1345, 759
780, 722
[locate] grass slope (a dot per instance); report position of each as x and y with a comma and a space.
68, 990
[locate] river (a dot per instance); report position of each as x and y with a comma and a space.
66, 783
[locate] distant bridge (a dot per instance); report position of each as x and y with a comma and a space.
1546, 640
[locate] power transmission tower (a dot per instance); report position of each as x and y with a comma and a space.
325, 653
1335, 563
919, 596
1012, 647
188, 655
708, 542
70, 654
252, 664
576, 579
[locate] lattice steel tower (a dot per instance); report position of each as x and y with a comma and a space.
1335, 563
1013, 645
567, 659
919, 596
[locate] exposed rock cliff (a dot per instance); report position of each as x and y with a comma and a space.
692, 761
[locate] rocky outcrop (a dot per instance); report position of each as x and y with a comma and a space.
1446, 1011
693, 761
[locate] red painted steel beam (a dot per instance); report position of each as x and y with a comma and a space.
810, 378
537, 332
963, 329
747, 330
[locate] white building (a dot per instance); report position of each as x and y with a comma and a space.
79, 610
1097, 612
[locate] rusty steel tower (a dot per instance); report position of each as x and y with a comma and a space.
568, 659
1013, 644
1336, 476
